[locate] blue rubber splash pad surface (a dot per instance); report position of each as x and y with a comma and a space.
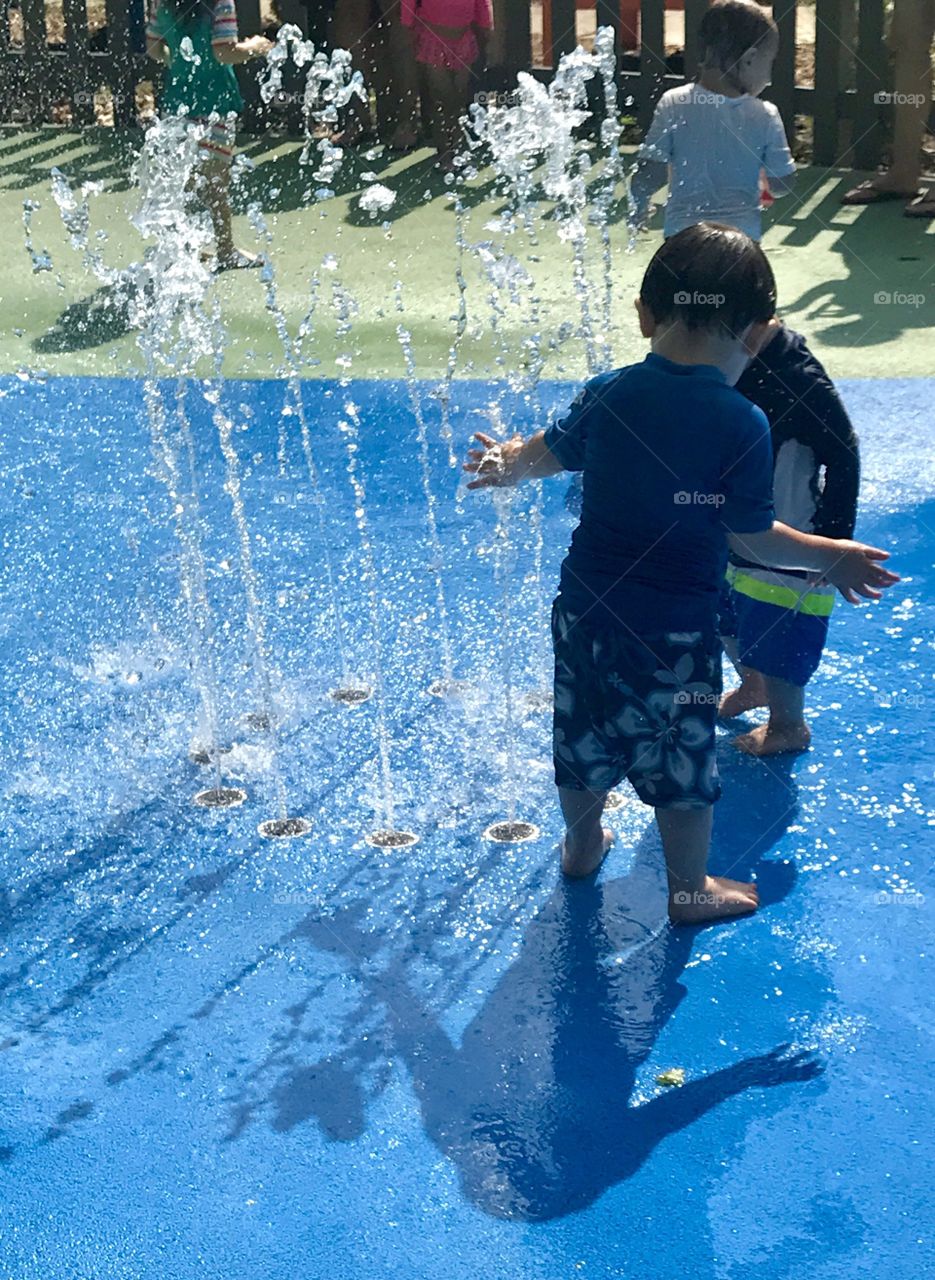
225, 1056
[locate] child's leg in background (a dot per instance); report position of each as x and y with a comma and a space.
786, 729
695, 896
215, 191
750, 693
213, 186
778, 646
752, 690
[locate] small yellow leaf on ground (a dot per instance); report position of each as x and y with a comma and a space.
674, 1075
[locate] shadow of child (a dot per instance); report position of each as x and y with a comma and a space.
533, 1104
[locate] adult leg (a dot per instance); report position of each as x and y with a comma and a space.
448, 91
695, 896
911, 34
403, 87
351, 30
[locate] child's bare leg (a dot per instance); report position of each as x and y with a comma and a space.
214, 189
752, 691
786, 729
694, 896
586, 842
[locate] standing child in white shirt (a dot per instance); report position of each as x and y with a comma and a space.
714, 138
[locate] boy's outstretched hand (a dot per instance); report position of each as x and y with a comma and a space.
852, 567
495, 465
857, 572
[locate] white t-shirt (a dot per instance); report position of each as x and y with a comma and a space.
716, 147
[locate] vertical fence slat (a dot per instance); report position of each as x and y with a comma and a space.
122, 64
694, 12
872, 78
826, 135
7, 65
652, 58
248, 17
515, 21
782, 90
249, 23
76, 53
563, 28
33, 80
608, 15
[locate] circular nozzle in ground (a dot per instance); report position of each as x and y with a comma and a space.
284, 828
391, 839
352, 695
442, 688
220, 798
511, 831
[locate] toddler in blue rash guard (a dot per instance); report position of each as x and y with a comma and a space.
677, 467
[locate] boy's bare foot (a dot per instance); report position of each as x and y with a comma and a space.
717, 899
766, 740
747, 696
583, 863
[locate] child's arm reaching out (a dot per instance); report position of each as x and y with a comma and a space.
648, 177
502, 464
852, 567
562, 447
652, 164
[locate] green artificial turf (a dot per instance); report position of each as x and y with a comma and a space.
858, 282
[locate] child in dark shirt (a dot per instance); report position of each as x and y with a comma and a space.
774, 622
677, 467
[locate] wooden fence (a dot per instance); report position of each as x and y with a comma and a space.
59, 59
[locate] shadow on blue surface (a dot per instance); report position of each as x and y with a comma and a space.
534, 1103
446, 1043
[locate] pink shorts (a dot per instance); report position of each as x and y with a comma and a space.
458, 53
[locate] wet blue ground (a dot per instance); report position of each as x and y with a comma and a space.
230, 1057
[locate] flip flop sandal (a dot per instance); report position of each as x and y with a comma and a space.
239, 262
923, 206
867, 193
349, 137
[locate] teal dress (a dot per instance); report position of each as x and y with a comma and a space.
196, 84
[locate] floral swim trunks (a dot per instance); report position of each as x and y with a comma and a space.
637, 707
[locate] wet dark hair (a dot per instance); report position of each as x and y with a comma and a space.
728, 29
710, 277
